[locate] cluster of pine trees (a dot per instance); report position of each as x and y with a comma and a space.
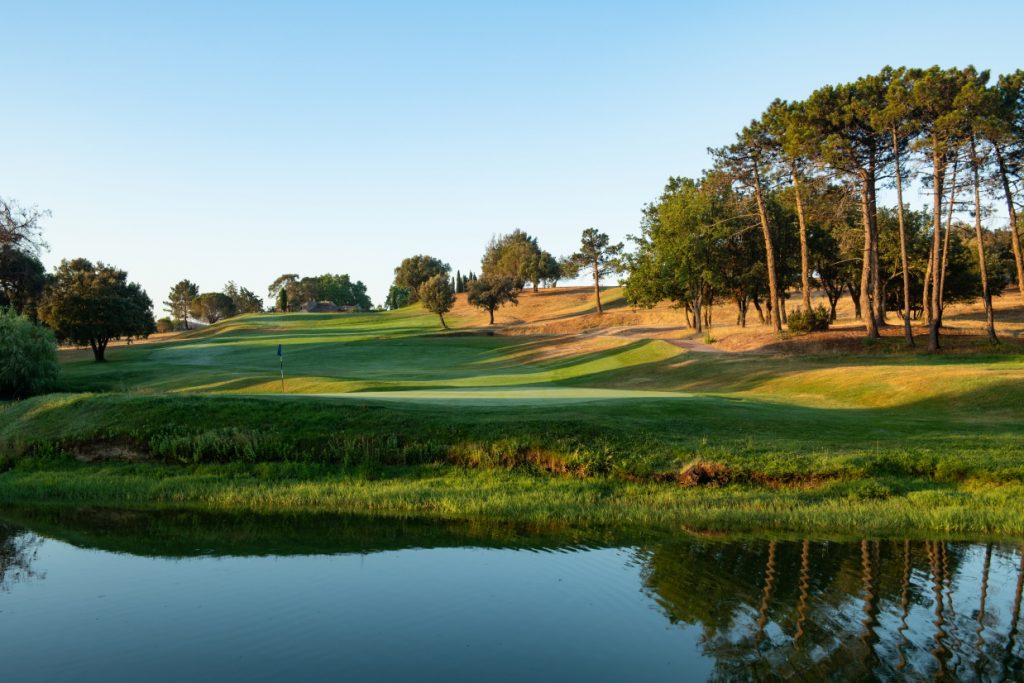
792, 204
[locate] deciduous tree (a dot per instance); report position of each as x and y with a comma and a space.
491, 292
22, 280
398, 297
86, 303
28, 357
212, 306
515, 255
438, 296
20, 226
414, 271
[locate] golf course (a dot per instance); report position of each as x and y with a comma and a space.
553, 414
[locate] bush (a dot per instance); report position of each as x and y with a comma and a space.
28, 357
164, 325
814, 320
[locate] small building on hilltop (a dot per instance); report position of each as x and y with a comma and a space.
328, 307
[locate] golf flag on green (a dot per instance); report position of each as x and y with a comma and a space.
280, 355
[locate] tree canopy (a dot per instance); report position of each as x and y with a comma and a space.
91, 304
291, 292
179, 301
490, 292
212, 307
515, 256
598, 256
438, 295
242, 299
806, 175
22, 280
414, 271
28, 357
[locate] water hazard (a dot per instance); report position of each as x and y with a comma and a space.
99, 595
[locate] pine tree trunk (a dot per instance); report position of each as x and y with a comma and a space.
805, 268
855, 297
907, 332
866, 309
985, 295
945, 243
769, 248
938, 169
877, 298
926, 290
1018, 258
491, 311
443, 323
597, 288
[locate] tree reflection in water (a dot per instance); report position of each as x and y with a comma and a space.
841, 611
18, 550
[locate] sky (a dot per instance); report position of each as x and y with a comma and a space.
239, 141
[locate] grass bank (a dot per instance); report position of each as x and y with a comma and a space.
705, 462
887, 506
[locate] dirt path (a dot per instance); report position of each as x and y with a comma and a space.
651, 333
695, 346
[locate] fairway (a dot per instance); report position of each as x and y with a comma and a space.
828, 441
405, 354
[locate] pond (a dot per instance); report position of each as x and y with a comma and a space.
95, 595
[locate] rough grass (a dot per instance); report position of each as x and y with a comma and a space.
887, 507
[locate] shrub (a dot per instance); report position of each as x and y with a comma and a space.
164, 325
28, 357
814, 320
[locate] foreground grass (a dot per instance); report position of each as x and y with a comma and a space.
886, 507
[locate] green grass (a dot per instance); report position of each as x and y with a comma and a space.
887, 506
381, 412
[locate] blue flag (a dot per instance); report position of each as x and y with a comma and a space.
280, 352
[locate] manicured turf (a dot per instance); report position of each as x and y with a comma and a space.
378, 397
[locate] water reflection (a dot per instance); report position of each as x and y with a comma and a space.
18, 551
749, 609
887, 609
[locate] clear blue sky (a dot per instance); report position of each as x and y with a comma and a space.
217, 141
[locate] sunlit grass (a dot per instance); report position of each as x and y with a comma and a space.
893, 507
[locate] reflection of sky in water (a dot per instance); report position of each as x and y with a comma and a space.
686, 609
442, 613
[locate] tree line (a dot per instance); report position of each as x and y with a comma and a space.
81, 302
792, 205
510, 263
185, 302
291, 292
